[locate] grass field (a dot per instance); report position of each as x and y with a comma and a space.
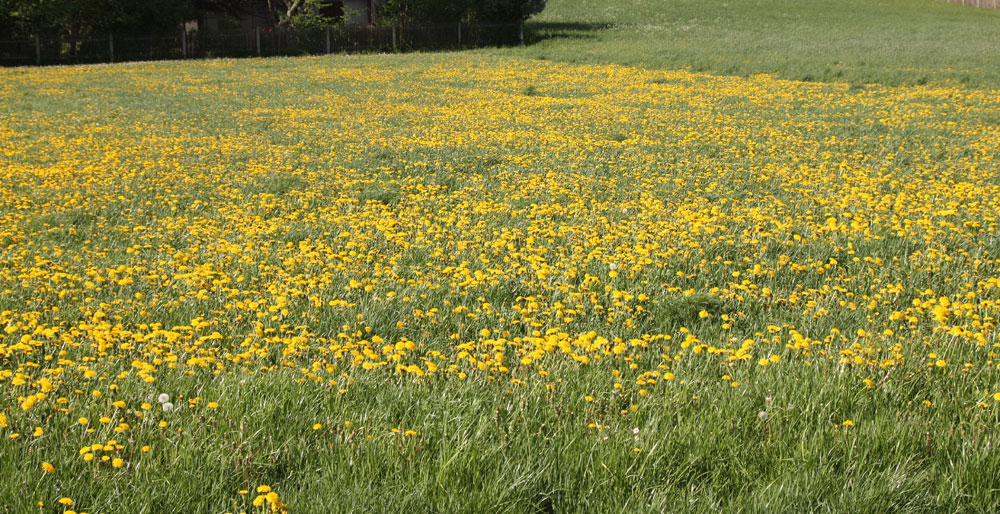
855, 41
480, 282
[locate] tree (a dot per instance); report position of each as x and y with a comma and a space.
443, 11
304, 13
81, 18
509, 10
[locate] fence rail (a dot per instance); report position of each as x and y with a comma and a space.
988, 4
256, 43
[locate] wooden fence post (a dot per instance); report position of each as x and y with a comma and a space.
327, 39
394, 38
459, 34
38, 51
520, 35
257, 31
111, 46
184, 43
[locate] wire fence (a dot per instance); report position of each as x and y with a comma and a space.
260, 42
989, 4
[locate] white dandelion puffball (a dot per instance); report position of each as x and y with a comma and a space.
612, 266
762, 416
163, 398
167, 407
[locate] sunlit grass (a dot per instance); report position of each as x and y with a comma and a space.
851, 41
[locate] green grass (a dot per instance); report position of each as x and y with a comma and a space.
854, 41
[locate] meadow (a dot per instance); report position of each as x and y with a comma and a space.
889, 42
482, 282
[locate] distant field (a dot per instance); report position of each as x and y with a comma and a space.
852, 41
482, 284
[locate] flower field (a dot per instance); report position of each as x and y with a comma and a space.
474, 283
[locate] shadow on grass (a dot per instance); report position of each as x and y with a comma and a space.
541, 31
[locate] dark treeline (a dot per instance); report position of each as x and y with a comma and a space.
82, 18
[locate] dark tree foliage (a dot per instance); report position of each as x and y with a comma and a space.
441, 11
304, 13
88, 17
81, 18
509, 10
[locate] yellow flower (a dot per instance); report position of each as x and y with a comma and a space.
996, 397
49, 468
66, 501
213, 405
118, 463
848, 423
940, 363
38, 432
83, 421
317, 426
